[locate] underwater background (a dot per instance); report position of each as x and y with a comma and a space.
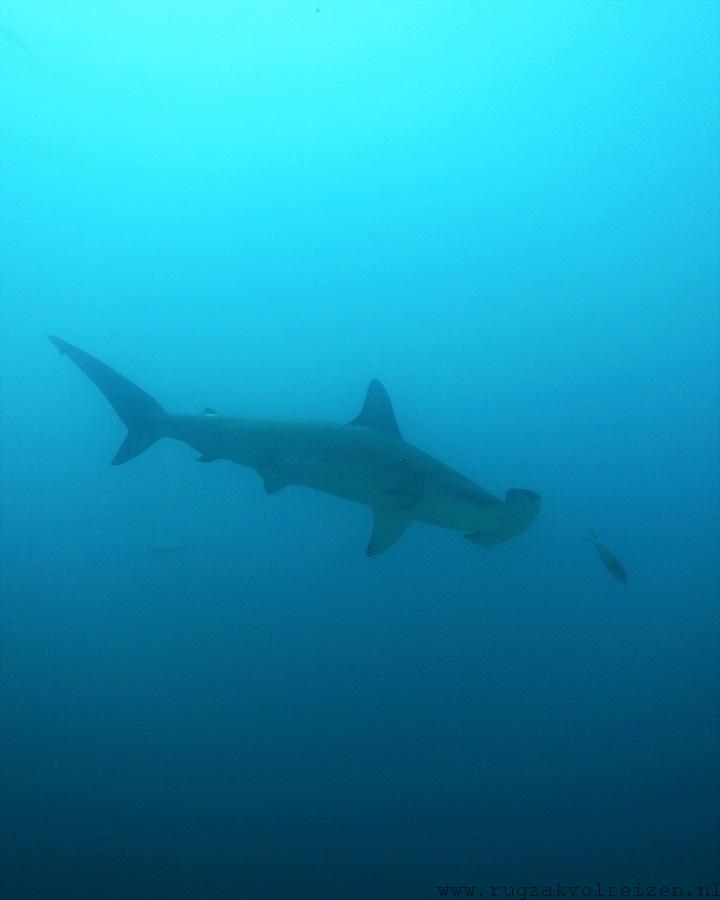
509, 213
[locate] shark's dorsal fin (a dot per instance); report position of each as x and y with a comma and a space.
377, 411
389, 526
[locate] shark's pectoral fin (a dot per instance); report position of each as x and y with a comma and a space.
389, 526
273, 481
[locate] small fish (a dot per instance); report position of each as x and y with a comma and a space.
612, 563
14, 39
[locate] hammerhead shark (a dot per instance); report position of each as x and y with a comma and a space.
365, 460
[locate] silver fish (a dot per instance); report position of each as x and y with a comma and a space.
612, 563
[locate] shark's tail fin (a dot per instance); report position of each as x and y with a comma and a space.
141, 413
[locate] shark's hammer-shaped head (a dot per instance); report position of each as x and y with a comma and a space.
524, 504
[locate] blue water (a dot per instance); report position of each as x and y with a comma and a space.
509, 213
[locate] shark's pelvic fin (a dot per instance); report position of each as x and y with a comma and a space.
141, 413
273, 481
389, 526
377, 411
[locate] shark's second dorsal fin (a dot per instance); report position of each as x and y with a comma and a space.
377, 411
